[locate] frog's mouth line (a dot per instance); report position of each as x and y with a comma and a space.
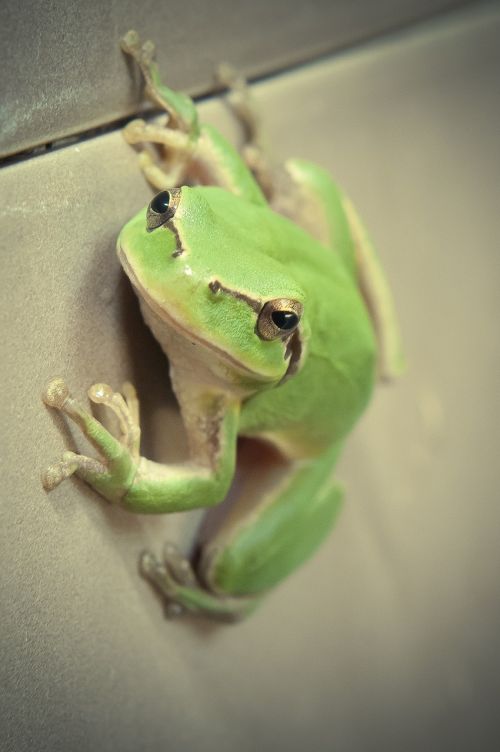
165, 316
294, 352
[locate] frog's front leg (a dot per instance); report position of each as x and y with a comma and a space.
179, 147
138, 484
175, 140
188, 152
267, 534
180, 108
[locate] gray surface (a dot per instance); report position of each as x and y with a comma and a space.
389, 638
62, 71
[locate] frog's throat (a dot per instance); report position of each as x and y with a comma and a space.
169, 320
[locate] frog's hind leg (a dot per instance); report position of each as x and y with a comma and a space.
241, 103
255, 550
264, 537
175, 579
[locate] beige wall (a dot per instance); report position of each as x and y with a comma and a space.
389, 638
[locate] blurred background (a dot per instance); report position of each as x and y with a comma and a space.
388, 639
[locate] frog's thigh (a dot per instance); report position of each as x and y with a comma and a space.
280, 533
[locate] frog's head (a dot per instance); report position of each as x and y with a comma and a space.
201, 272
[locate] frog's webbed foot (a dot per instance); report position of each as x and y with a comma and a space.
114, 472
175, 579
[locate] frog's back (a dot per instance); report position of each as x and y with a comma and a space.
317, 406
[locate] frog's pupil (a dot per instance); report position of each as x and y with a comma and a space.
160, 202
285, 319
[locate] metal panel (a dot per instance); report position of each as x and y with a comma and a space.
62, 71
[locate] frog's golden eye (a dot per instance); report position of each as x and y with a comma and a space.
279, 318
161, 209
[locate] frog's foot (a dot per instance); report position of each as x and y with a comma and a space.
113, 474
138, 131
143, 54
176, 580
158, 177
173, 152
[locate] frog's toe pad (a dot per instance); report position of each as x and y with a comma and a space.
158, 573
54, 475
179, 566
130, 42
59, 471
133, 132
148, 52
56, 393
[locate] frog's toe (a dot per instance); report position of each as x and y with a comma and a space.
133, 133
161, 577
175, 580
130, 43
159, 573
226, 75
68, 465
148, 52
56, 473
179, 566
130, 395
56, 393
126, 409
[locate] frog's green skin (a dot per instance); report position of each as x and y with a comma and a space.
221, 252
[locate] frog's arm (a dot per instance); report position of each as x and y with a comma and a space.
181, 109
293, 505
189, 151
320, 207
138, 484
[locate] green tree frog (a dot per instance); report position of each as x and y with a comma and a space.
264, 291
